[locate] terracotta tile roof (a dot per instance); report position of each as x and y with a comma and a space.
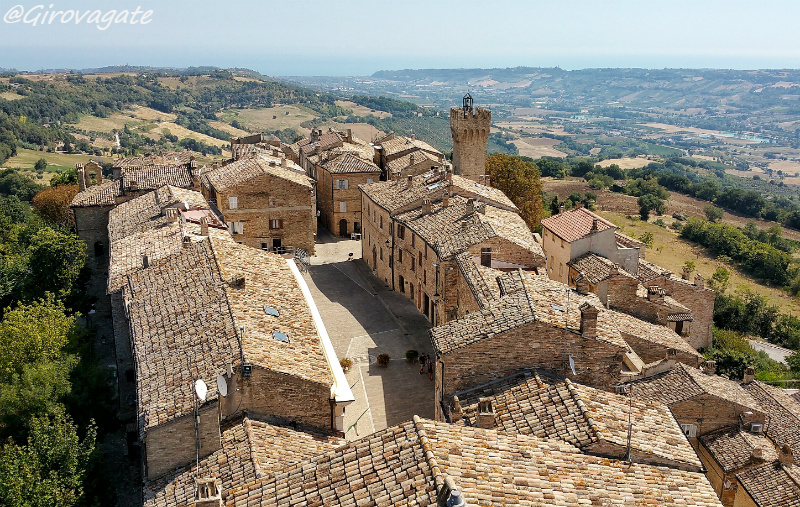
397, 196
540, 301
783, 426
348, 163
181, 330
150, 177
407, 464
243, 150
479, 281
248, 168
400, 163
684, 383
772, 485
270, 282
584, 416
400, 144
574, 224
146, 211
250, 449
654, 333
649, 271
627, 241
104, 194
732, 448
161, 158
324, 142
595, 268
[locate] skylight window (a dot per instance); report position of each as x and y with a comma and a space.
281, 337
272, 311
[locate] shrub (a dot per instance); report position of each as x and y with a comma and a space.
411, 355
345, 363
383, 359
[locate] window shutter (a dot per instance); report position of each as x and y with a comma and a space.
233, 202
342, 206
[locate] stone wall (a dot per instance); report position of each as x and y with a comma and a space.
534, 345
709, 413
267, 198
699, 299
650, 352
376, 230
470, 132
91, 225
174, 444
329, 198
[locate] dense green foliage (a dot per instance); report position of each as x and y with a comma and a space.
520, 181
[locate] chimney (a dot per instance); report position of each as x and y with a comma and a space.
204, 226
486, 416
655, 294
589, 320
614, 270
436, 172
470, 206
786, 456
409, 180
595, 222
749, 375
426, 206
487, 180
145, 261
413, 137
757, 454
172, 215
465, 224
187, 242
446, 199
207, 492
456, 412
81, 176
411, 159
699, 282
579, 205
710, 367
686, 272
561, 209
98, 173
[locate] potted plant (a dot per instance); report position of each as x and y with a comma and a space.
383, 359
412, 355
346, 364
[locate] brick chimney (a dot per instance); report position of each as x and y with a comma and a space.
204, 226
409, 180
446, 199
172, 215
749, 375
786, 456
581, 285
699, 281
426, 206
655, 294
456, 412
487, 180
187, 242
710, 367
470, 206
595, 223
486, 415
589, 320
686, 272
411, 159
81, 176
284, 162
207, 492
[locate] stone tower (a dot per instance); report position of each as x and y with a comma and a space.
470, 130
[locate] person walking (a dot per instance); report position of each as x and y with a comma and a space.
430, 368
422, 361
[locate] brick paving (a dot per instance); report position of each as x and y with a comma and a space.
355, 306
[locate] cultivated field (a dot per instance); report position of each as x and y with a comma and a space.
537, 147
626, 163
362, 110
271, 118
10, 96
26, 159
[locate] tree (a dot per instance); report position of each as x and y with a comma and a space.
50, 469
794, 361
713, 213
40, 165
55, 262
53, 204
647, 239
520, 181
719, 280
648, 203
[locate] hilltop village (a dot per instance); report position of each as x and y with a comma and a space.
564, 366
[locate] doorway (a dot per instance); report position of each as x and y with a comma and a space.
343, 227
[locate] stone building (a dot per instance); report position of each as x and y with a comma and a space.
595, 421
257, 144
268, 202
583, 248
540, 323
414, 230
337, 191
433, 464
470, 128
747, 433
400, 156
132, 177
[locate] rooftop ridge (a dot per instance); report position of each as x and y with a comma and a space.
225, 288
427, 447
248, 429
573, 391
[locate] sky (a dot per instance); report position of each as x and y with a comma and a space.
358, 37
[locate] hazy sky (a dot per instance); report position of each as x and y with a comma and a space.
356, 37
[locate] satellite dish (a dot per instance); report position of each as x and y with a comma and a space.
201, 389
572, 365
222, 386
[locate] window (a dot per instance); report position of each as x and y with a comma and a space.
424, 277
400, 256
690, 430
381, 221
342, 207
381, 253
265, 246
276, 223
401, 231
411, 290
412, 263
369, 180
419, 258
413, 237
233, 202
236, 227
402, 284
342, 184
